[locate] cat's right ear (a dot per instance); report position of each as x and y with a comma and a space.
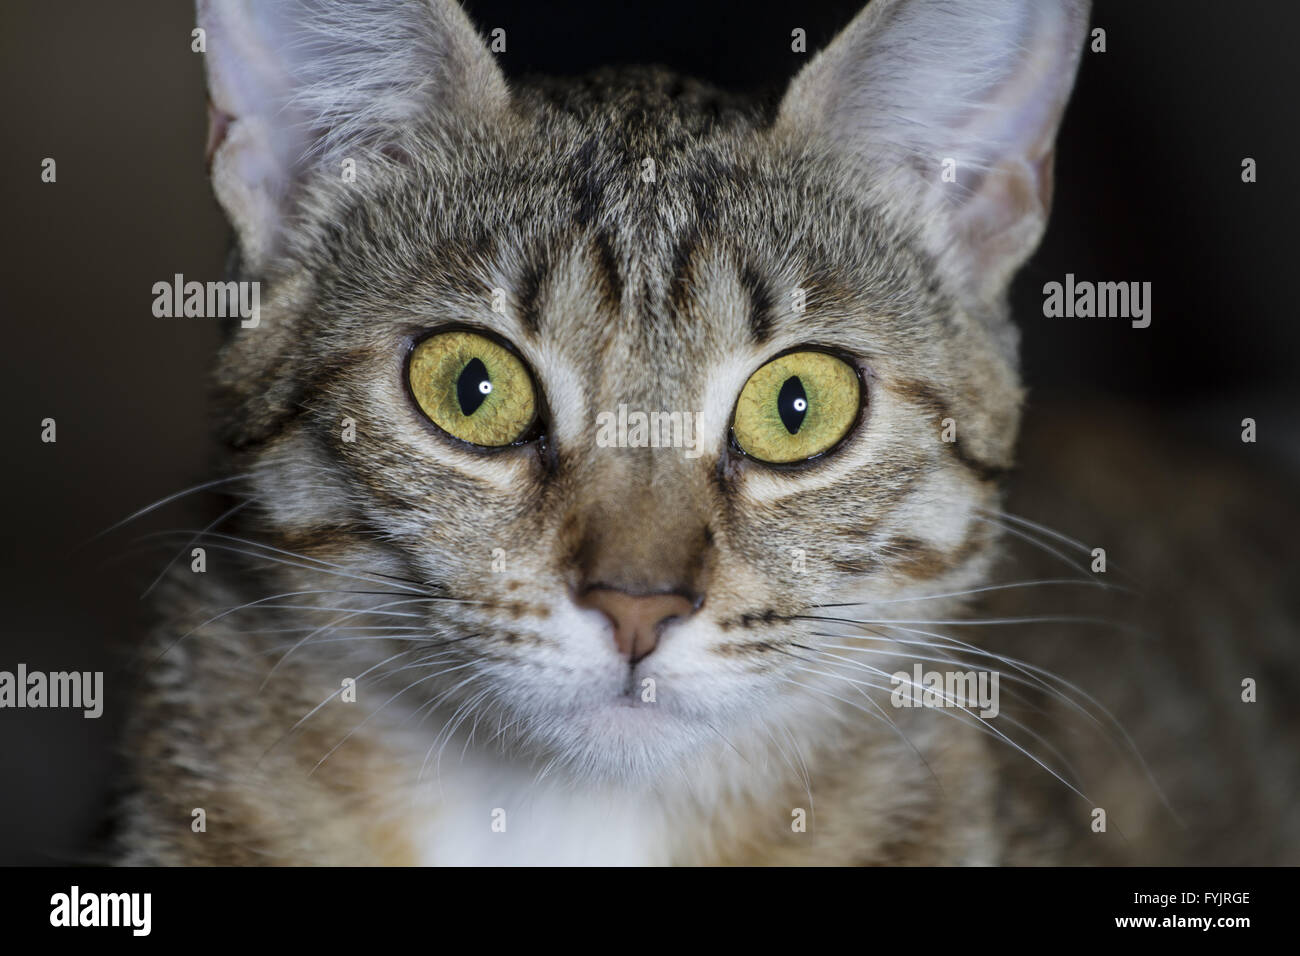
297, 87
945, 112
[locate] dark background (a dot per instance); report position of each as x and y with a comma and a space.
1148, 189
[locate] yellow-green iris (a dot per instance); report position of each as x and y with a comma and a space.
472, 388
796, 407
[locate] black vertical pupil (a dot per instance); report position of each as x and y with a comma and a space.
469, 387
792, 404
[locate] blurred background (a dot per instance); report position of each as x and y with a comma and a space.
1148, 188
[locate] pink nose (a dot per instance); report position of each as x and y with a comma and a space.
638, 619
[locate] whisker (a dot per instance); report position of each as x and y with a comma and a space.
978, 722
803, 771
230, 512
316, 564
1017, 533
1078, 582
302, 720
726, 741
975, 622
1041, 675
263, 602
433, 706
381, 609
474, 726
1031, 673
168, 500
899, 731
1028, 681
1041, 528
1012, 720
369, 716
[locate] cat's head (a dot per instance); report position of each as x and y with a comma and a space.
482, 298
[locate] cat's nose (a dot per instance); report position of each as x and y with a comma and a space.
638, 619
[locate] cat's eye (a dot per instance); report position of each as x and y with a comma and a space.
797, 406
473, 388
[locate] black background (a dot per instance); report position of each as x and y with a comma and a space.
1148, 189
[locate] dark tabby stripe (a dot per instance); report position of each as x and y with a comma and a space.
761, 301
611, 278
681, 271
925, 396
534, 275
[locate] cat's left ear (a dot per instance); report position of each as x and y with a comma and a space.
298, 87
947, 111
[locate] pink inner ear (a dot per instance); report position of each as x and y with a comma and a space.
218, 124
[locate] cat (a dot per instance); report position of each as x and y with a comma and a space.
443, 623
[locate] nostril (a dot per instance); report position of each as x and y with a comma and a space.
638, 619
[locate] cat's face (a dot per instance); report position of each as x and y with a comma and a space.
454, 375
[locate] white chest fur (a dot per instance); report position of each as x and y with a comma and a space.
478, 813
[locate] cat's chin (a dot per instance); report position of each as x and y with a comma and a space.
624, 740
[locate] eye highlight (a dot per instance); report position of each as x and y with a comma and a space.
473, 388
796, 407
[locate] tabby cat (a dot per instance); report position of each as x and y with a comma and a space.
607, 448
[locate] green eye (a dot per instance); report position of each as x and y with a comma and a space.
472, 388
796, 407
